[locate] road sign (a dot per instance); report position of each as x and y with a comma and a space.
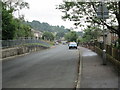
102, 11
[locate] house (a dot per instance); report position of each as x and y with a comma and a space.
109, 37
37, 34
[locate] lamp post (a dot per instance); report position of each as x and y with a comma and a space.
102, 13
104, 38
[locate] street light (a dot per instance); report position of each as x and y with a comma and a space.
102, 13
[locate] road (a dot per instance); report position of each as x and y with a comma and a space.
51, 68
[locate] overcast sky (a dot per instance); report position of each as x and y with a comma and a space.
45, 11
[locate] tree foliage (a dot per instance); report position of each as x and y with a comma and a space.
22, 30
91, 34
48, 36
71, 36
15, 5
59, 31
8, 25
75, 11
46, 27
60, 34
12, 28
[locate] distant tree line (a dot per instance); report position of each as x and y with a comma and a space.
58, 31
46, 27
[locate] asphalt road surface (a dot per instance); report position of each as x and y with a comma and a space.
51, 68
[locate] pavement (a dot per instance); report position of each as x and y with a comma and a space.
93, 74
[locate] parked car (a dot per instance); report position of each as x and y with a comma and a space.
72, 45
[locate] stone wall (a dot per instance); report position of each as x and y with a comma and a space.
110, 58
21, 50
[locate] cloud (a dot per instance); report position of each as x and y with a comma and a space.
45, 11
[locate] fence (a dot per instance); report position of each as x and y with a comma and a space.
12, 43
113, 54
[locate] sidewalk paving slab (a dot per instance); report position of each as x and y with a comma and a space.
94, 74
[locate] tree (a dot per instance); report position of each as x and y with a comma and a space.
90, 34
48, 36
15, 4
75, 11
60, 34
12, 28
43, 27
8, 25
22, 30
71, 36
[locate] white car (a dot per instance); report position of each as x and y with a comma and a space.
72, 45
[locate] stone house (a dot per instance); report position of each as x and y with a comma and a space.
37, 34
110, 38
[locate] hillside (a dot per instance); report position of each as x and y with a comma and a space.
46, 27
